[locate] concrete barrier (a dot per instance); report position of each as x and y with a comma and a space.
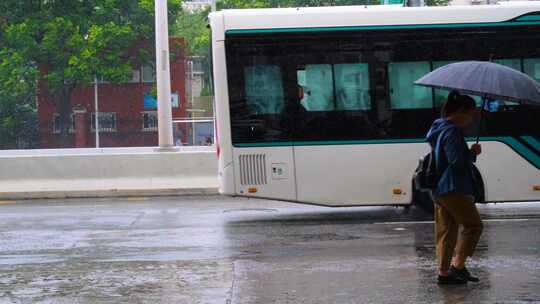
107, 172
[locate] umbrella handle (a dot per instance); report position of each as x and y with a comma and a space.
481, 118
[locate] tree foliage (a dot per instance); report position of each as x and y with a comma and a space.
18, 117
73, 41
193, 27
437, 2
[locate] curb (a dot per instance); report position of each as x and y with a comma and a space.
106, 193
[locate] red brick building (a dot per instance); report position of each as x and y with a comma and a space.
127, 112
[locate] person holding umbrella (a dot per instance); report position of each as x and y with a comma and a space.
454, 194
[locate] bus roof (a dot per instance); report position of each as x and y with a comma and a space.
376, 15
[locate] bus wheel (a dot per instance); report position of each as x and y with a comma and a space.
423, 200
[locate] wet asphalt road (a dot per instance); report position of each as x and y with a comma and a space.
226, 250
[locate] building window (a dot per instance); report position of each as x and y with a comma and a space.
56, 123
149, 121
135, 76
107, 122
148, 74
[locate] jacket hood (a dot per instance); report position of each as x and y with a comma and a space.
436, 128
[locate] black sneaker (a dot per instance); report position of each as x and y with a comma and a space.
451, 279
463, 273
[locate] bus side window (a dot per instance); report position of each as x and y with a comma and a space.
352, 87
316, 81
440, 95
264, 89
514, 64
531, 67
404, 94
340, 87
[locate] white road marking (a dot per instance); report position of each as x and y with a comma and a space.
431, 222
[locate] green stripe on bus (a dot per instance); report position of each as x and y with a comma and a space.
521, 149
330, 143
356, 142
532, 141
360, 142
379, 27
529, 18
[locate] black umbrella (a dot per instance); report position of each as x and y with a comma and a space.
485, 79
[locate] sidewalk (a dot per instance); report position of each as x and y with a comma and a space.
106, 193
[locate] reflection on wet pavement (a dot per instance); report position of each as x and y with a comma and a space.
224, 250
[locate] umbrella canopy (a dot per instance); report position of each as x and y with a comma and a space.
486, 79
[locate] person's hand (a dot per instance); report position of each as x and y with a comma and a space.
476, 149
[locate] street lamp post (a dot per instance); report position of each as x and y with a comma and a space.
96, 111
163, 76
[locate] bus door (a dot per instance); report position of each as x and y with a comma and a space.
335, 110
348, 148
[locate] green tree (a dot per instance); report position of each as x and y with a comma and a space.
193, 27
18, 117
437, 2
70, 42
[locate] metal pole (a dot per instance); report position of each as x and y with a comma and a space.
192, 76
214, 8
96, 111
163, 76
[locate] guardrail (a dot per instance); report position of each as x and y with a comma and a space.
63, 173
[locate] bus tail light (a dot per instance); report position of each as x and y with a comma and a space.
536, 187
252, 190
397, 191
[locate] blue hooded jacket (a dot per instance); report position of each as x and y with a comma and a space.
453, 158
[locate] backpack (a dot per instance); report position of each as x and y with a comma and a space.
426, 175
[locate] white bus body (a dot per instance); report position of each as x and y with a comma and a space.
337, 150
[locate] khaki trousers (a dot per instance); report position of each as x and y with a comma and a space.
451, 211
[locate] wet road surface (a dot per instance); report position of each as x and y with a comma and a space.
226, 250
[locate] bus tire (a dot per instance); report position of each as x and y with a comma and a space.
422, 200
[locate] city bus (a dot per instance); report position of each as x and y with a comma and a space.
318, 106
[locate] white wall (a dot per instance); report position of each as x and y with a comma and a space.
102, 172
